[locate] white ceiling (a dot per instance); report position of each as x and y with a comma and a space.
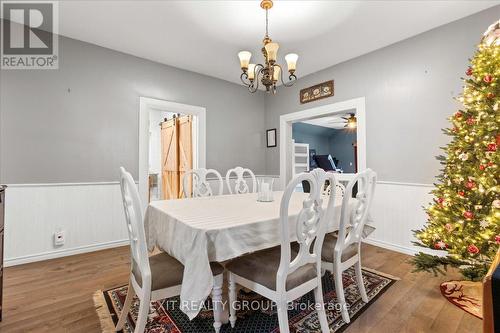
335, 121
205, 36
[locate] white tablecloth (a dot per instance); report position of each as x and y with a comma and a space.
200, 230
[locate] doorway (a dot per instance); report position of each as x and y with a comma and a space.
354, 107
157, 119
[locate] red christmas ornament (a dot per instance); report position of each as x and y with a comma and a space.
497, 239
490, 95
488, 78
440, 245
472, 249
440, 200
468, 215
492, 147
470, 184
455, 129
490, 164
482, 167
471, 121
469, 71
458, 114
461, 193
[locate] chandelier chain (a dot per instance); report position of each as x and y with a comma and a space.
267, 23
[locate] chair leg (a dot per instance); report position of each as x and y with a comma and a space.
126, 307
142, 316
361, 285
283, 316
232, 300
217, 302
339, 290
318, 296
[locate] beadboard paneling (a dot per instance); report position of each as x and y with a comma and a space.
90, 214
396, 211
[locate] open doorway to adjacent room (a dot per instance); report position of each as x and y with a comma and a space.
331, 137
172, 141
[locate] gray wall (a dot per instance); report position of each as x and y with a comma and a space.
49, 134
409, 89
341, 146
316, 136
336, 142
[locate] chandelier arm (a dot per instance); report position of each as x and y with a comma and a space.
254, 86
243, 77
291, 78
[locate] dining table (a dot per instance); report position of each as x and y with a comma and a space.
197, 231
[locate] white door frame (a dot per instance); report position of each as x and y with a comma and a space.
286, 121
199, 136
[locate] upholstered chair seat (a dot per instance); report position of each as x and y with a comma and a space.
166, 271
262, 267
329, 244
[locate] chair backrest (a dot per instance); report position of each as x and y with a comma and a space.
310, 227
134, 217
355, 217
339, 190
201, 186
240, 184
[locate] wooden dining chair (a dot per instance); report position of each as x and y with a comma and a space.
343, 249
156, 277
240, 184
201, 185
283, 275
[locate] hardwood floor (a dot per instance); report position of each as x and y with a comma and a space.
56, 295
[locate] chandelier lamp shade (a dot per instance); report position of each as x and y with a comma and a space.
269, 73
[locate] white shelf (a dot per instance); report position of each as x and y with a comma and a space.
300, 158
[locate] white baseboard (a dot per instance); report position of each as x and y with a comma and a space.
63, 253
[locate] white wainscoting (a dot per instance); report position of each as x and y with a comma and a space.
90, 214
396, 211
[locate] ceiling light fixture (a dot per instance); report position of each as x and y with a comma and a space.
269, 73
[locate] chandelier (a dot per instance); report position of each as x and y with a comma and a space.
269, 73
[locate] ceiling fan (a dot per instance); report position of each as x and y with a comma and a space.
350, 122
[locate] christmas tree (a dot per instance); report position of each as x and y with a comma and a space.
464, 217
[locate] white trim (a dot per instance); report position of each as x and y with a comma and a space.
286, 120
64, 184
63, 253
199, 128
409, 250
404, 184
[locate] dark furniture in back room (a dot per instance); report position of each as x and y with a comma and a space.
2, 215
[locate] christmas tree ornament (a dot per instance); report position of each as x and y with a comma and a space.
468, 215
473, 249
465, 212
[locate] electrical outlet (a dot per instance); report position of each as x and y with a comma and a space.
59, 238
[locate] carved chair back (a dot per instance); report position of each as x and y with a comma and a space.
353, 219
201, 186
240, 184
310, 225
134, 218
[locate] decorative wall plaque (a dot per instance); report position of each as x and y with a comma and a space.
316, 92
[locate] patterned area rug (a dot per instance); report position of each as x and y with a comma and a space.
467, 295
259, 315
